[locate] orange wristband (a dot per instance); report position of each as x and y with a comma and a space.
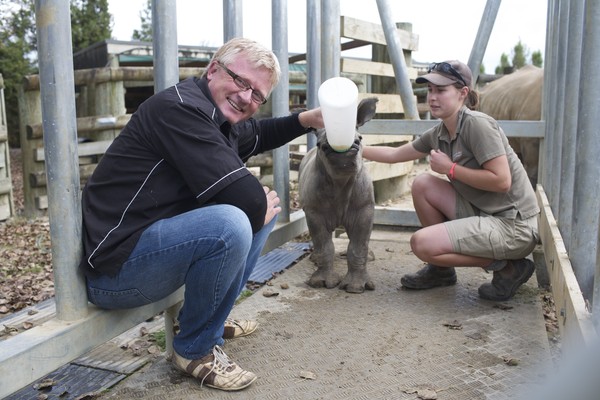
451, 173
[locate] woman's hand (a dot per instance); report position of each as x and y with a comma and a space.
440, 162
272, 204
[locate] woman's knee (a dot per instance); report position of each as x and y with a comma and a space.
416, 241
421, 184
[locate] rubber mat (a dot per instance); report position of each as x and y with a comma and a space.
69, 382
275, 261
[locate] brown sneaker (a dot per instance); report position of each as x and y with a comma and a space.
505, 282
429, 276
215, 370
235, 328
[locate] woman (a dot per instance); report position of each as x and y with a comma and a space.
485, 213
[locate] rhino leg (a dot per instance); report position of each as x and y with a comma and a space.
323, 256
357, 278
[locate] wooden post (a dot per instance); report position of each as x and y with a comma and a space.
109, 99
6, 192
30, 112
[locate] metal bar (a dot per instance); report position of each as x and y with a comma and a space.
57, 89
483, 36
557, 116
550, 89
164, 36
166, 74
330, 39
586, 206
281, 96
232, 19
42, 349
313, 54
530, 129
569, 128
396, 53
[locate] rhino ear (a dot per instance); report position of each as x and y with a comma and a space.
366, 110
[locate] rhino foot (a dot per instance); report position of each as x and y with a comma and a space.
322, 278
357, 283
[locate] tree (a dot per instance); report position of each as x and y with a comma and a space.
504, 64
520, 55
537, 59
145, 32
90, 23
17, 56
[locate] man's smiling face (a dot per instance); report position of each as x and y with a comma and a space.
236, 104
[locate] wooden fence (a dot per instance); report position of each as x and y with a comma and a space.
6, 193
102, 112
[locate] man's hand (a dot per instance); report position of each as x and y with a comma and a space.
272, 204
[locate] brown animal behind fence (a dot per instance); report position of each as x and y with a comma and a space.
518, 96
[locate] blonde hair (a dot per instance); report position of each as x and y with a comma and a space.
258, 55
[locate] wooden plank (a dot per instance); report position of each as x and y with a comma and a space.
84, 149
574, 319
40, 179
388, 103
393, 216
372, 140
353, 28
380, 171
353, 65
85, 124
5, 186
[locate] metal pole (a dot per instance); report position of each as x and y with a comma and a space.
396, 53
586, 205
313, 60
550, 91
483, 36
57, 88
232, 19
164, 36
557, 116
166, 74
281, 99
569, 129
331, 48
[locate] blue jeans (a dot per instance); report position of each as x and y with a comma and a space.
210, 250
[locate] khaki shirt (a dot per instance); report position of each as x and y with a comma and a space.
479, 139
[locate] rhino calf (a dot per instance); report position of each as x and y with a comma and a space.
336, 190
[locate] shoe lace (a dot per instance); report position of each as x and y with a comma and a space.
220, 364
233, 322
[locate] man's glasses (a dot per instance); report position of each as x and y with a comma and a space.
256, 96
446, 68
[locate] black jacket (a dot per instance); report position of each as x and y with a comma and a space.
176, 153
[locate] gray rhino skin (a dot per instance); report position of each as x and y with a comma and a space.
336, 190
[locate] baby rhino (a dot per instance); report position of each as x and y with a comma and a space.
335, 190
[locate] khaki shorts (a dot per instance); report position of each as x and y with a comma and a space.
475, 233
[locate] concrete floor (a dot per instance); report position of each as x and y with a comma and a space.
389, 343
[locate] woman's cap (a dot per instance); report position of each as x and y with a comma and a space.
447, 73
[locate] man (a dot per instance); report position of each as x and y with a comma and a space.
171, 203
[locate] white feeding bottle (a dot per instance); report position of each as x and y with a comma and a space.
338, 98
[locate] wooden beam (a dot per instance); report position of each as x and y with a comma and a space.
574, 319
353, 65
353, 28
388, 103
83, 149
